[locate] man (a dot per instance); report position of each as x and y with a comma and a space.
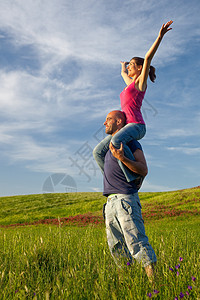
124, 224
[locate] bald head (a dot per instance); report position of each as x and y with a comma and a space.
115, 120
118, 114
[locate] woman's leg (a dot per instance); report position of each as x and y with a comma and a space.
100, 151
129, 132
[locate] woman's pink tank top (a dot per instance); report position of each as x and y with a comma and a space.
131, 102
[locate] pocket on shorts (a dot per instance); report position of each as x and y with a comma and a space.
126, 206
133, 209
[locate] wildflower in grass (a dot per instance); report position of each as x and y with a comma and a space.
149, 295
171, 269
128, 263
181, 295
177, 273
193, 278
156, 292
178, 266
187, 293
189, 287
176, 298
180, 258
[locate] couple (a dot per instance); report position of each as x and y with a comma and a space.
121, 160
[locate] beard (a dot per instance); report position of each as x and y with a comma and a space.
109, 131
111, 128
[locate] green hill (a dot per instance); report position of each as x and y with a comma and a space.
50, 262
30, 208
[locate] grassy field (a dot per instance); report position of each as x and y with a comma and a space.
72, 260
30, 208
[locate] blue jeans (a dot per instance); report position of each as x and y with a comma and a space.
125, 230
129, 132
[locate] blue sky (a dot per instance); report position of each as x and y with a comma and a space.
60, 76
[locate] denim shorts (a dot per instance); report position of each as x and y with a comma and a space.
125, 230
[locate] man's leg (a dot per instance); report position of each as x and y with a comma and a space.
115, 238
150, 271
132, 224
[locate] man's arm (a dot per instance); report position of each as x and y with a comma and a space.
138, 166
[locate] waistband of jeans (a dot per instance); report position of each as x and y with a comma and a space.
112, 196
119, 196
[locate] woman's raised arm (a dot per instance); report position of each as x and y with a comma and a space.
142, 79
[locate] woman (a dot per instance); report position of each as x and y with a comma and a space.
135, 76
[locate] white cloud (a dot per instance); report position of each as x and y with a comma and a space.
89, 31
37, 156
78, 47
27, 97
180, 132
96, 189
150, 187
186, 150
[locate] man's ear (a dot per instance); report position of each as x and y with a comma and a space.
119, 121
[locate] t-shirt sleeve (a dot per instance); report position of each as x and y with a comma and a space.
134, 145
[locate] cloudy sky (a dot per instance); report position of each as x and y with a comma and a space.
60, 76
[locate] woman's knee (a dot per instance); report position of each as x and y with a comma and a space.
116, 141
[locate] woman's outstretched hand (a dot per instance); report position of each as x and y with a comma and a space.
165, 28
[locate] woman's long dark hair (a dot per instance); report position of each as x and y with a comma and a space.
152, 72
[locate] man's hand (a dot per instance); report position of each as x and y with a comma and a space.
137, 166
117, 153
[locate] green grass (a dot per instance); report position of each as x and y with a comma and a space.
181, 199
73, 262
49, 262
20, 209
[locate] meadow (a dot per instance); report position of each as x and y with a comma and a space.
53, 246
